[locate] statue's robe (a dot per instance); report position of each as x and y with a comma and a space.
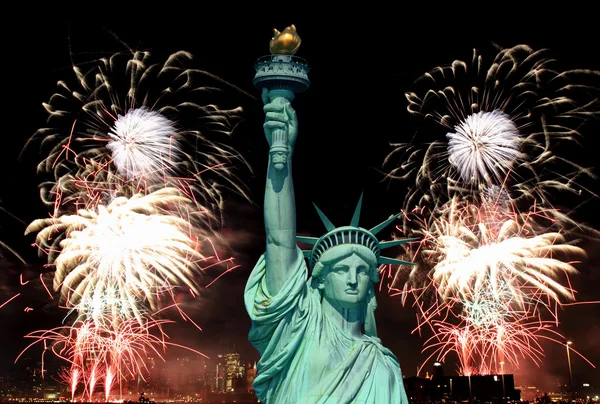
305, 358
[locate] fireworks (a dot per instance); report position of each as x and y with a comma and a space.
495, 255
129, 252
143, 145
129, 125
484, 147
103, 356
509, 123
470, 246
508, 337
492, 277
492, 331
136, 158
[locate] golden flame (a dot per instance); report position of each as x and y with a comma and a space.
286, 42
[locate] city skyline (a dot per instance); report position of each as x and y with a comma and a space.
181, 377
357, 83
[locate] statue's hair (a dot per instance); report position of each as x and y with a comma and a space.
340, 252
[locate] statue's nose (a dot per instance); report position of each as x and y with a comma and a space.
351, 280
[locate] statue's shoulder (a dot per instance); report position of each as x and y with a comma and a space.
376, 342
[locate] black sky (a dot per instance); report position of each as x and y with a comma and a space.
361, 65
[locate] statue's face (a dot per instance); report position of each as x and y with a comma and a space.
347, 282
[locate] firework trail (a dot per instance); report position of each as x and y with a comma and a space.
4, 247
129, 125
489, 336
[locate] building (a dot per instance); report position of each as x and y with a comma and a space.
231, 380
234, 373
439, 387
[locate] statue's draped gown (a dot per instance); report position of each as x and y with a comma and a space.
305, 358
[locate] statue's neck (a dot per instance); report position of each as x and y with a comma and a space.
348, 320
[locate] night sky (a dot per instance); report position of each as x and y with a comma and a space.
361, 66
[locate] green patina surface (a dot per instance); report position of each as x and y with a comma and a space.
316, 331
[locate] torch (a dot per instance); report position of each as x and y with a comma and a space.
283, 75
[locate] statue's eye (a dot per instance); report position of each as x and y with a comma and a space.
340, 269
363, 270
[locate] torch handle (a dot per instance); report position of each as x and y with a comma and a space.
281, 97
281, 147
280, 138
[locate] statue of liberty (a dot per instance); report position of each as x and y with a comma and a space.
316, 333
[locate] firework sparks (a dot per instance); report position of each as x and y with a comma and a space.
509, 123
468, 247
485, 281
128, 253
100, 357
484, 147
143, 145
139, 125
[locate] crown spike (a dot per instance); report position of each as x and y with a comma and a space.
328, 225
356, 215
388, 244
352, 234
384, 224
309, 240
393, 261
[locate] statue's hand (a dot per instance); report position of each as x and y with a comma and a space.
279, 115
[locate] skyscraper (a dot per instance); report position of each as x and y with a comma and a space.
232, 371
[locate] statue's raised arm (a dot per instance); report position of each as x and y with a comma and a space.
281, 129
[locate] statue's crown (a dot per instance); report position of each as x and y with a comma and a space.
352, 234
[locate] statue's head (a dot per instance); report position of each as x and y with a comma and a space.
345, 261
344, 275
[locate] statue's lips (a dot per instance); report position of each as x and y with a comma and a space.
352, 291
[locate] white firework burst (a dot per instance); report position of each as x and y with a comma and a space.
143, 144
469, 260
484, 147
141, 125
133, 251
514, 122
470, 247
